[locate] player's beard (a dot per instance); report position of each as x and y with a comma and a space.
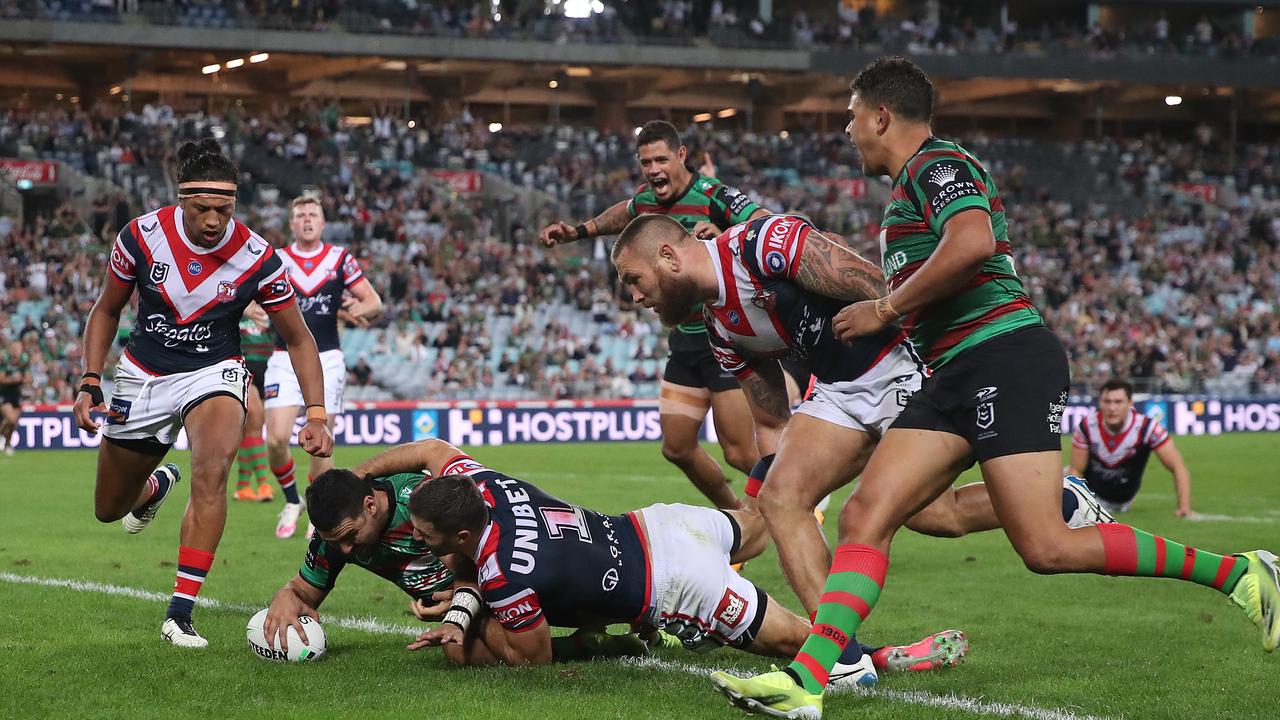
679, 296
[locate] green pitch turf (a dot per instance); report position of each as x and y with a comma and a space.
1056, 648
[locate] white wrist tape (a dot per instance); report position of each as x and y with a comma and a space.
466, 604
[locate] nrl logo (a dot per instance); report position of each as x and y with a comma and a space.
943, 175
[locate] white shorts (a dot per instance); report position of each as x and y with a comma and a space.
873, 401
280, 386
697, 596
152, 407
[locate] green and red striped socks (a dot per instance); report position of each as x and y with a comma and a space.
852, 589
1132, 552
252, 459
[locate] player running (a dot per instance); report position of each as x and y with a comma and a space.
544, 562
996, 395
692, 382
320, 274
1111, 447
195, 269
361, 518
13, 367
255, 343
771, 288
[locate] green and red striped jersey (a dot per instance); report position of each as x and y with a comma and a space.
705, 200
940, 180
255, 343
398, 556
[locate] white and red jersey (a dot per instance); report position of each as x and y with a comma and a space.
1117, 460
319, 277
190, 299
763, 312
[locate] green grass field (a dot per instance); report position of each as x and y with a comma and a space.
1056, 648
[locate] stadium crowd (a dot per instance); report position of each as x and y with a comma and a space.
930, 27
1174, 287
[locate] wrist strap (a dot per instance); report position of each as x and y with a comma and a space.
85, 377
466, 604
317, 413
94, 390
580, 231
885, 311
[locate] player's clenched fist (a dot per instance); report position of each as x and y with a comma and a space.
557, 233
315, 439
857, 320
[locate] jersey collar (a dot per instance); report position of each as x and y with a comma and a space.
181, 225
919, 150
297, 251
693, 178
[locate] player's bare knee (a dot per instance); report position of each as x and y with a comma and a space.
678, 453
108, 514
941, 522
1043, 557
740, 457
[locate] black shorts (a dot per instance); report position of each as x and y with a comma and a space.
1004, 396
257, 371
691, 364
11, 395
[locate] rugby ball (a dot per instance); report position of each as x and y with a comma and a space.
312, 651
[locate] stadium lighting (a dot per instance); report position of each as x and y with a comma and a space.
75, 99
495, 127
727, 113
553, 84
58, 96
259, 57
233, 64
636, 131
413, 124
784, 134
1172, 100
116, 90
497, 17
578, 72
210, 69
702, 117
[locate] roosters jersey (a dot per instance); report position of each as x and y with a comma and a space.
190, 298
1117, 460
543, 559
763, 312
319, 278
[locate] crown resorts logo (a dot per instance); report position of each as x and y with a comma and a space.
943, 175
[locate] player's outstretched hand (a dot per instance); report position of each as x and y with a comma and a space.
1186, 512
704, 230
557, 233
856, 320
285, 610
315, 439
708, 165
445, 634
434, 610
85, 403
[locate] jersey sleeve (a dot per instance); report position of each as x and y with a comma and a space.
517, 608
1080, 439
351, 272
275, 292
772, 246
735, 204
947, 185
322, 565
124, 263
632, 210
1157, 435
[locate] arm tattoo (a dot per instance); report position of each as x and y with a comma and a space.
613, 219
832, 269
766, 388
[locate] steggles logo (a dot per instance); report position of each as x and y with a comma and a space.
943, 175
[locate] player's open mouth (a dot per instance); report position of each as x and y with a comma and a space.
658, 183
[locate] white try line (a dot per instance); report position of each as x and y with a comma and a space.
976, 706
1211, 517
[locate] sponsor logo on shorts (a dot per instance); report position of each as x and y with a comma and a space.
732, 609
1055, 413
986, 410
271, 391
118, 411
231, 375
610, 580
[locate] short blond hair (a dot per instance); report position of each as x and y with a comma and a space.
305, 200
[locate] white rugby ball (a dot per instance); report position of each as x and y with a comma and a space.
298, 652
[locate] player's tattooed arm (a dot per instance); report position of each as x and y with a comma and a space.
610, 222
430, 455
766, 390
830, 267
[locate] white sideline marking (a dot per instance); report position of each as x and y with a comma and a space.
1210, 517
354, 623
912, 697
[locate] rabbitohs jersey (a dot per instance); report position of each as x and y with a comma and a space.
320, 277
190, 299
398, 557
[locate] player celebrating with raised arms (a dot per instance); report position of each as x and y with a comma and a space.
196, 270
320, 274
996, 395
691, 380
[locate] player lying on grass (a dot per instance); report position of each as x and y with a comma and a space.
362, 518
544, 562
